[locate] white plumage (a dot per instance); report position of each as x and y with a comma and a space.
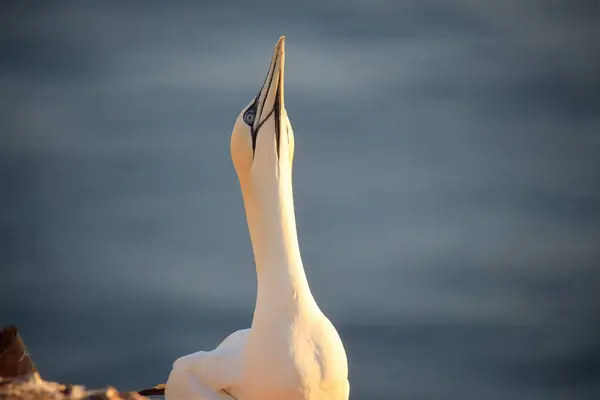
292, 351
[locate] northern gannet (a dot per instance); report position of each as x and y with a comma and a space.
292, 351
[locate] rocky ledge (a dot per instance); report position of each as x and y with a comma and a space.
19, 378
33, 387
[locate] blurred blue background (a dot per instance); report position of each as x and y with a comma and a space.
446, 182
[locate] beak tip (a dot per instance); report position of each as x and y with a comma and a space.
280, 42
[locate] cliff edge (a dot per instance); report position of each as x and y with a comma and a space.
20, 380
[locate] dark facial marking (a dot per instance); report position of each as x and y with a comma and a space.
262, 106
249, 118
250, 115
276, 109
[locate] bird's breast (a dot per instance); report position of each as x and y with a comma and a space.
280, 359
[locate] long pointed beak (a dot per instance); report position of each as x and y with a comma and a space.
270, 98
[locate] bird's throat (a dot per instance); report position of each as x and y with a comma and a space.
269, 205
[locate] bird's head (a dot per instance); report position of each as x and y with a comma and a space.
262, 142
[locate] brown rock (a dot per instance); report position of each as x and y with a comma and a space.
14, 357
33, 387
19, 379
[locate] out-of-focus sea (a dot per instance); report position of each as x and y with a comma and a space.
446, 184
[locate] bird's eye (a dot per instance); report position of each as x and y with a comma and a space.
249, 116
